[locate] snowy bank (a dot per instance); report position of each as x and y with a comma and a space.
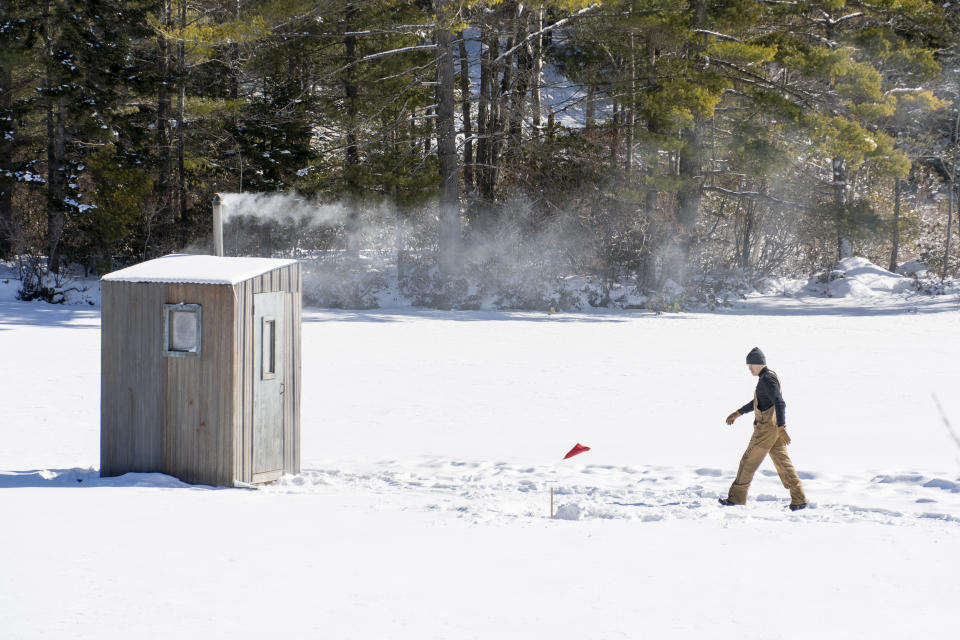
859, 284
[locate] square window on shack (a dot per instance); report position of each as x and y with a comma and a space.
183, 325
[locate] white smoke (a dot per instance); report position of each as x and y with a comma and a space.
516, 259
280, 207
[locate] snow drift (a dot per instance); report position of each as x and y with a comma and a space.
856, 280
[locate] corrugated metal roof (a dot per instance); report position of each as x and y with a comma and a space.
182, 267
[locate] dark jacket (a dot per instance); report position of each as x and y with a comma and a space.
768, 395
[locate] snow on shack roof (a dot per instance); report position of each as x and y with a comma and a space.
181, 267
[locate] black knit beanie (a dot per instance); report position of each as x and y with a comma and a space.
756, 356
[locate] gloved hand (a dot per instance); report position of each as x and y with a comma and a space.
784, 438
733, 416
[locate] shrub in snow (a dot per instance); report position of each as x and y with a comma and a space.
932, 286
37, 283
829, 276
422, 284
568, 512
497, 286
567, 298
612, 293
715, 291
339, 281
518, 289
664, 304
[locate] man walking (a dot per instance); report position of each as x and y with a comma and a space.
769, 436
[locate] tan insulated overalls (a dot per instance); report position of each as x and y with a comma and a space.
766, 439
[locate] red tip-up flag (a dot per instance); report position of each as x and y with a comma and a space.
578, 449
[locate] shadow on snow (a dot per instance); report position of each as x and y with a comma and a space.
316, 314
89, 478
41, 314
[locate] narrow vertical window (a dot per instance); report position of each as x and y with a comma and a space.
269, 344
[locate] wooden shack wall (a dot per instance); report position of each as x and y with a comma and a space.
291, 455
133, 377
201, 393
286, 279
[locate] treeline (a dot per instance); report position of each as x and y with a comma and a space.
667, 137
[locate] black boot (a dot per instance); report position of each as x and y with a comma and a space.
726, 502
797, 507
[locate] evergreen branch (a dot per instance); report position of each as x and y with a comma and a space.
830, 22
400, 28
851, 16
718, 36
759, 79
903, 90
408, 71
382, 54
553, 26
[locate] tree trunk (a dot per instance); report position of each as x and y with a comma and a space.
236, 69
235, 72
689, 171
841, 193
520, 84
507, 86
447, 145
352, 154
56, 151
467, 127
8, 132
412, 137
653, 254
399, 237
164, 164
591, 116
181, 127
614, 136
652, 251
631, 115
488, 147
895, 251
950, 206
953, 194
536, 71
483, 109
689, 195
747, 240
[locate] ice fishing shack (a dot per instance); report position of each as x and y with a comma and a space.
200, 373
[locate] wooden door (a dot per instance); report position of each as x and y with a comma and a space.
268, 386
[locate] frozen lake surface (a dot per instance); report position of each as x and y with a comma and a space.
431, 441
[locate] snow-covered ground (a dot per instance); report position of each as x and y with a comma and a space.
431, 441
